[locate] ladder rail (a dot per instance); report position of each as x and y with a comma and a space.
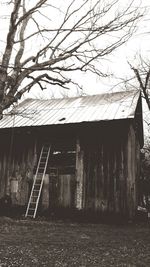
43, 176
34, 182
39, 163
30, 198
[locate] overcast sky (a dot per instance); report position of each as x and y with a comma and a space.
117, 63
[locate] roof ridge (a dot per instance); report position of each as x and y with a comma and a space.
82, 96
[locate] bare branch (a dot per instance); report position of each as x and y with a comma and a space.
80, 35
143, 82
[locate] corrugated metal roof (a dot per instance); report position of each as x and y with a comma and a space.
110, 106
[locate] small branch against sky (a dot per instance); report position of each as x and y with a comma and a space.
46, 43
142, 76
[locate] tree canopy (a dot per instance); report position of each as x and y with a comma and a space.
47, 41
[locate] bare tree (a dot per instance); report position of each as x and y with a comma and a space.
76, 36
142, 76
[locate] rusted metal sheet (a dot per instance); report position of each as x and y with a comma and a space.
103, 107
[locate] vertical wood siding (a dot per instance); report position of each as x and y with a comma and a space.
79, 176
110, 172
66, 191
107, 169
133, 152
16, 167
105, 183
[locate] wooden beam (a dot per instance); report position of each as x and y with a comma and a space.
79, 176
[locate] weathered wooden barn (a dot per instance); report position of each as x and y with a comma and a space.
94, 152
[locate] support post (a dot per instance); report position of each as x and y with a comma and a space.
79, 176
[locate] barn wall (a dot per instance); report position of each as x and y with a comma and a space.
110, 167
17, 157
104, 176
106, 162
19, 154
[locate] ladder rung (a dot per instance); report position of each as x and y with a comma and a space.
35, 190
31, 214
42, 167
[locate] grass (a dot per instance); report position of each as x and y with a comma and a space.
61, 244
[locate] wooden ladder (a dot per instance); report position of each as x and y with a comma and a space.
38, 181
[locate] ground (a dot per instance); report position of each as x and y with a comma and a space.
65, 244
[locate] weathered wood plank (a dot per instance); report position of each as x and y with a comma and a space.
79, 176
131, 186
65, 193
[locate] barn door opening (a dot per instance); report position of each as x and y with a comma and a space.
62, 181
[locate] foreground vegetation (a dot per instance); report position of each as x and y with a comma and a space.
41, 243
